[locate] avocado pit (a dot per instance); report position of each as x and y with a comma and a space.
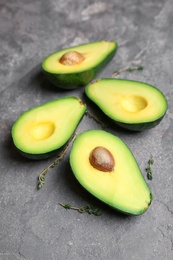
71, 58
102, 159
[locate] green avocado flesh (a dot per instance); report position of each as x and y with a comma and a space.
131, 104
94, 55
39, 132
124, 187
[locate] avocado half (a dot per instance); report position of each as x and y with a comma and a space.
131, 104
41, 131
76, 66
111, 174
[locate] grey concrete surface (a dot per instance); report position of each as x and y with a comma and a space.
33, 225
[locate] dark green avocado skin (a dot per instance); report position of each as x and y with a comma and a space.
140, 126
79, 79
40, 156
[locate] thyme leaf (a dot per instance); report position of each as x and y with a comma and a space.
41, 177
130, 69
149, 170
86, 209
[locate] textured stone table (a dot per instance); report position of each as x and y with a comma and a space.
33, 225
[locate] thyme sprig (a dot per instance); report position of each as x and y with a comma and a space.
90, 115
130, 69
148, 169
86, 209
41, 177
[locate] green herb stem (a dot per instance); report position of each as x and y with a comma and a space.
41, 177
130, 69
90, 115
86, 209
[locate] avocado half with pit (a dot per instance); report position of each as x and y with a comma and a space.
105, 166
41, 131
131, 104
76, 66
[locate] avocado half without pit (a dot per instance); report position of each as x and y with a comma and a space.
76, 66
131, 104
105, 166
41, 131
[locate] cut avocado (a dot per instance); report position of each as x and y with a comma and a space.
131, 104
105, 166
39, 132
77, 66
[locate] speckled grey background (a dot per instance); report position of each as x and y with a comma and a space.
32, 224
